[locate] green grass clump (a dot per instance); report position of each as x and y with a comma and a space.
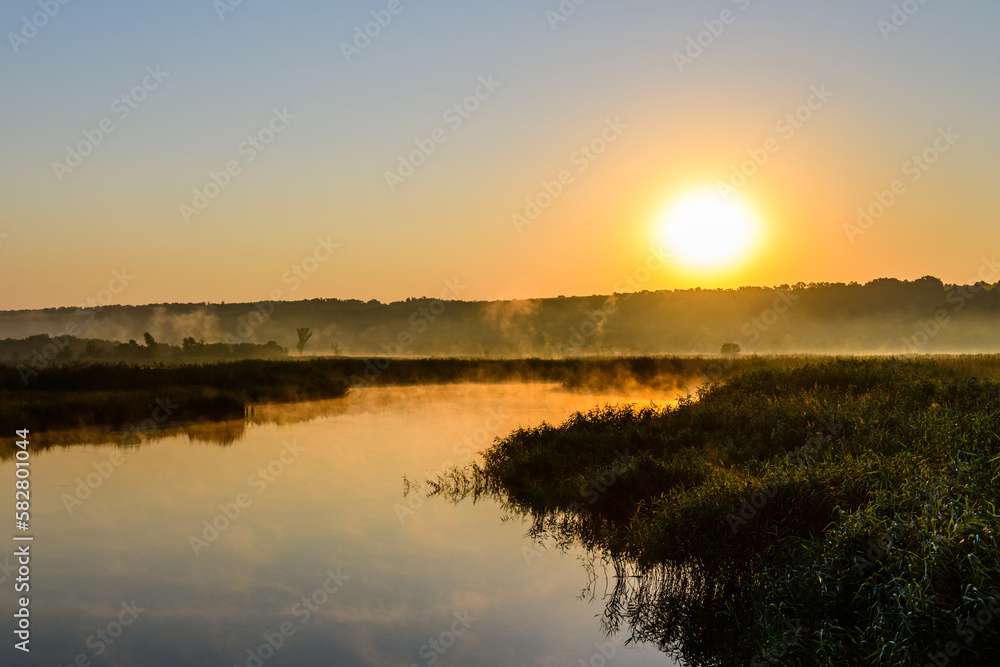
852, 500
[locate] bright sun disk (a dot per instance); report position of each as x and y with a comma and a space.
707, 230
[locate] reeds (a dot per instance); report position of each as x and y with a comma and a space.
853, 499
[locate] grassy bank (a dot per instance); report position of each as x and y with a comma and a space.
78, 394
841, 512
125, 396
296, 376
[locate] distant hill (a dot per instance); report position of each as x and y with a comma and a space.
884, 316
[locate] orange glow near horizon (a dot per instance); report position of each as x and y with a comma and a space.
594, 145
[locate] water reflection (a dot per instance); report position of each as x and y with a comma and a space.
701, 620
278, 525
694, 610
226, 433
221, 433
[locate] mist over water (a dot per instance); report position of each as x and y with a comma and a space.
884, 316
332, 503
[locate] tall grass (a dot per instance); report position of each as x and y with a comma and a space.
854, 499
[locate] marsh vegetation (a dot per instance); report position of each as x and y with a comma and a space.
794, 507
77, 394
839, 512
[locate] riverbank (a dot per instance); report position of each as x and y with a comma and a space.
120, 395
852, 499
129, 396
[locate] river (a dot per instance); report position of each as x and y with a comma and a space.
291, 543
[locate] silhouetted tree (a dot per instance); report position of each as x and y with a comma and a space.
731, 349
152, 347
304, 336
335, 348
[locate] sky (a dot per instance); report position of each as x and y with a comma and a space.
200, 151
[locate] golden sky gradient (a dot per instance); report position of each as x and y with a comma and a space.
823, 109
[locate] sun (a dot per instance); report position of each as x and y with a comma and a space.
709, 230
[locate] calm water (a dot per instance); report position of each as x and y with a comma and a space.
326, 556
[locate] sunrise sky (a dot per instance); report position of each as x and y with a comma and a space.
872, 84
